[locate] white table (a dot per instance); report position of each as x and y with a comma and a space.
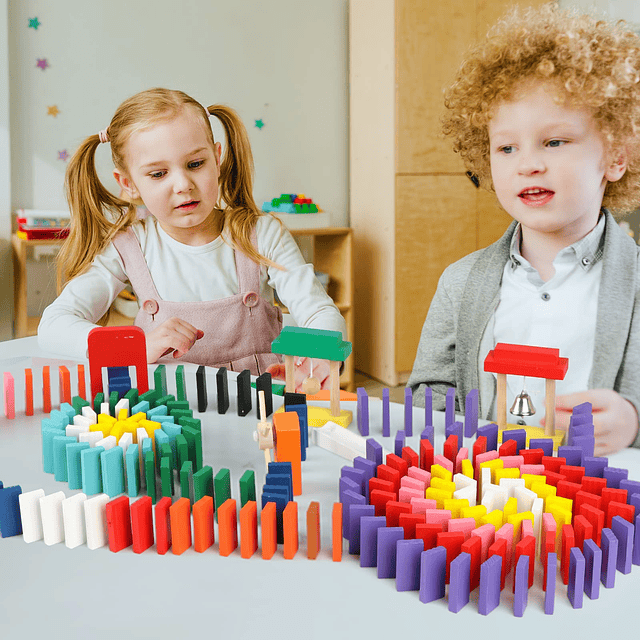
54, 592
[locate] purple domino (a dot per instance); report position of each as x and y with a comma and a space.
428, 407
632, 486
583, 408
546, 444
386, 415
459, 577
634, 499
399, 443
369, 539
519, 435
614, 476
450, 406
433, 571
347, 484
586, 443
575, 588
490, 431
623, 531
489, 593
349, 498
363, 411
471, 414
609, 546
456, 429
550, 591
374, 451
593, 567
636, 541
572, 454
408, 564
369, 468
387, 543
428, 434
356, 512
521, 586
408, 411
594, 466
358, 476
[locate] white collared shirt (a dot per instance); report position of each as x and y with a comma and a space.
560, 313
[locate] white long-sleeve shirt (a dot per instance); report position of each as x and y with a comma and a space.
183, 273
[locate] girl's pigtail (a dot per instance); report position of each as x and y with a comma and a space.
236, 184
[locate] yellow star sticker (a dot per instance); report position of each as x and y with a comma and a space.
53, 111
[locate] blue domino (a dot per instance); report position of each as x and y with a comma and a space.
74, 466
301, 410
91, 470
160, 410
48, 434
141, 407
10, 520
60, 457
165, 419
112, 462
132, 463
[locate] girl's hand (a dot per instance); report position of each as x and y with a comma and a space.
304, 367
172, 335
615, 419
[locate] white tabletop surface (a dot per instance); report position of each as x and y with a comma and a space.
54, 592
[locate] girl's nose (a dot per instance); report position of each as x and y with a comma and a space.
182, 183
531, 162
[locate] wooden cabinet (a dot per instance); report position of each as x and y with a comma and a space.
413, 210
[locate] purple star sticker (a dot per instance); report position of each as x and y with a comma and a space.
63, 155
42, 63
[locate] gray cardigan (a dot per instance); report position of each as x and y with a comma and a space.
467, 296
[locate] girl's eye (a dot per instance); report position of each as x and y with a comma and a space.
157, 174
195, 164
556, 143
506, 149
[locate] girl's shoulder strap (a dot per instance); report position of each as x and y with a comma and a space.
248, 271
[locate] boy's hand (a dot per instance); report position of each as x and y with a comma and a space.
303, 366
615, 419
171, 335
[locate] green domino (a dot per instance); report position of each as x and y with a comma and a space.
165, 399
203, 483
222, 487
247, 487
166, 477
160, 379
186, 480
150, 475
182, 450
181, 386
132, 397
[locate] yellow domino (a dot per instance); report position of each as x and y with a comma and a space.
517, 518
496, 463
561, 503
531, 478
103, 428
467, 468
438, 471
561, 516
150, 427
477, 513
544, 491
104, 417
439, 495
495, 517
137, 417
446, 485
498, 474
117, 430
510, 508
455, 505
123, 414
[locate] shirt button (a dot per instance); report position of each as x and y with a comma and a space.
250, 299
586, 261
545, 296
150, 307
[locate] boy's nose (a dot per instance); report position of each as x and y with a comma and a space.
531, 163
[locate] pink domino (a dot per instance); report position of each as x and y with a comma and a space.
512, 462
405, 494
421, 505
443, 462
420, 474
9, 396
487, 534
465, 525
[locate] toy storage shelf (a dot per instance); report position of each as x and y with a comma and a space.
332, 253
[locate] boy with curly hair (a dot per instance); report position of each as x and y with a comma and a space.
546, 112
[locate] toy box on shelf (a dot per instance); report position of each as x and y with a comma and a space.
35, 224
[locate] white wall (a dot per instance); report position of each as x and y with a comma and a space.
6, 282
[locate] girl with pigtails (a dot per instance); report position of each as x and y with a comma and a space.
204, 263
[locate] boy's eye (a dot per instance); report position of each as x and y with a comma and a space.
506, 149
195, 164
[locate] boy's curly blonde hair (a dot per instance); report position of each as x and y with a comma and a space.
594, 64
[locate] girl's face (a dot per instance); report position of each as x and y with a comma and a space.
549, 164
173, 168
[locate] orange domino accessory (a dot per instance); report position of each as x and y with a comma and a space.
227, 527
287, 445
46, 390
28, 392
269, 530
249, 529
82, 388
65, 385
313, 530
180, 515
336, 530
290, 525
203, 533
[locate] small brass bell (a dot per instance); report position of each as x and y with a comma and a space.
522, 405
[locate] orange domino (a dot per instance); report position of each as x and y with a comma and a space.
290, 526
28, 392
269, 530
249, 529
227, 527
313, 530
180, 516
46, 390
203, 534
65, 385
82, 389
287, 447
336, 531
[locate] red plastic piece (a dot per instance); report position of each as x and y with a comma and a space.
28, 392
548, 546
473, 546
566, 489
163, 525
382, 485
499, 548
385, 472
427, 454
613, 495
574, 474
428, 533
65, 384
46, 390
409, 522
82, 388
450, 448
119, 524
521, 360
180, 516
532, 456
410, 457
551, 463
553, 478
627, 511
142, 524
568, 541
393, 510
117, 347
526, 547
479, 446
596, 518
584, 497
452, 541
583, 530
508, 448
397, 463
594, 485
379, 500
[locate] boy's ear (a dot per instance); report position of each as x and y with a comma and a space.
126, 184
617, 165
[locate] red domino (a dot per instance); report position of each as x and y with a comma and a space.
397, 463
452, 541
584, 497
613, 495
142, 524
163, 525
426, 454
28, 392
65, 384
574, 474
393, 510
596, 518
594, 485
526, 547
450, 448
532, 456
119, 524
551, 463
508, 448
409, 522
473, 546
568, 541
627, 511
499, 548
583, 530
410, 457
568, 489
479, 446
379, 500
381, 485
553, 478
385, 472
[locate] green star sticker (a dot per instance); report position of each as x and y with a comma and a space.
34, 23
259, 123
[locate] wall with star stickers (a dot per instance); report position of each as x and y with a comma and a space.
282, 66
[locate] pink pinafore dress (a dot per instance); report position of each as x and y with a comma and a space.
238, 330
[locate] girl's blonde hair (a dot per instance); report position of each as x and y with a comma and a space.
97, 215
591, 63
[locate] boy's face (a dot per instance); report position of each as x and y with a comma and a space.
549, 164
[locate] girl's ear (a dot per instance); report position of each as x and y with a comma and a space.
617, 165
126, 184
217, 149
